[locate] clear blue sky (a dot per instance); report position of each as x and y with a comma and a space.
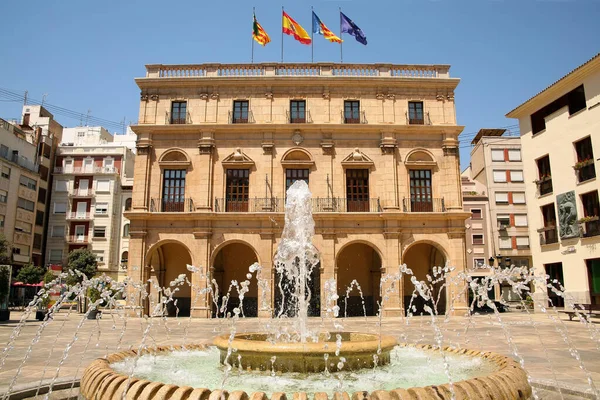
85, 54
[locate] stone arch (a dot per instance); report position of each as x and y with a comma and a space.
128, 204
174, 155
420, 155
167, 260
421, 256
361, 261
297, 157
230, 262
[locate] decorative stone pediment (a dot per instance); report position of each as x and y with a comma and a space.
357, 159
420, 158
238, 159
174, 158
297, 157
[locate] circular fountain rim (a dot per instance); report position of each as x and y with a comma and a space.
99, 380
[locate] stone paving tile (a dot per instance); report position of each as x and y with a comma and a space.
542, 342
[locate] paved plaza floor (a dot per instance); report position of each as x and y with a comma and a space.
553, 350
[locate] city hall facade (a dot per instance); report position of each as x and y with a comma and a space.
218, 145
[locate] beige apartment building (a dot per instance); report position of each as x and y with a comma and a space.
560, 142
88, 198
19, 186
218, 145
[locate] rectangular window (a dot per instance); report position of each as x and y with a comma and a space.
62, 186
476, 213
591, 208
478, 263
293, 175
27, 182
58, 231
22, 226
99, 255
549, 230
25, 204
518, 197
99, 231
3, 196
415, 113
2, 221
297, 111
56, 255
357, 190
477, 239
60, 208
178, 112
41, 196
44, 172
585, 160
37, 241
237, 190
575, 100
173, 199
421, 199
503, 221
5, 172
240, 112
499, 176
505, 243
593, 267
103, 185
46, 150
497, 155
102, 208
514, 155
39, 218
351, 112
544, 176
501, 197
520, 219
522, 242
516, 176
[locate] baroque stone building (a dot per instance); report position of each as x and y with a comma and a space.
219, 144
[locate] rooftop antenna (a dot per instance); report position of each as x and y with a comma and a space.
25, 98
87, 117
44, 98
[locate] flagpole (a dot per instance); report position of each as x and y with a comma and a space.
312, 36
253, 21
342, 43
282, 33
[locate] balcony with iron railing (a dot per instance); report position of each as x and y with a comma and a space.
423, 205
86, 170
177, 118
419, 119
544, 185
172, 205
590, 226
21, 161
354, 117
77, 239
78, 216
548, 235
298, 117
319, 205
82, 193
240, 118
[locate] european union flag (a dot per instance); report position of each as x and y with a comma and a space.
350, 28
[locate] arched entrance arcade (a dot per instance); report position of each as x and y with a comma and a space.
358, 264
231, 263
421, 258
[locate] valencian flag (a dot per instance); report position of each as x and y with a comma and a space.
259, 34
291, 27
321, 29
350, 28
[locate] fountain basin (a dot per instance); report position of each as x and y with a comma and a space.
257, 352
503, 380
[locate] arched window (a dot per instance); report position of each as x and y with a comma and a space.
126, 230
125, 257
128, 204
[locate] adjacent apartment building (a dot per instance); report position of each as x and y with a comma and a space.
88, 198
218, 145
560, 143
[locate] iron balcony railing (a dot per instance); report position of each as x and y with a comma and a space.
82, 193
78, 215
268, 204
548, 235
298, 117
319, 205
592, 228
423, 205
86, 170
422, 119
19, 160
340, 204
172, 204
354, 117
177, 118
77, 239
241, 117
544, 185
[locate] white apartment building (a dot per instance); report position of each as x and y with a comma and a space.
560, 141
88, 198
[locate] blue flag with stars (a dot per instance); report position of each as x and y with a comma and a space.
349, 27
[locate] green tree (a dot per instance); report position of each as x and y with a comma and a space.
30, 274
5, 250
84, 261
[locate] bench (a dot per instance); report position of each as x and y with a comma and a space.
589, 310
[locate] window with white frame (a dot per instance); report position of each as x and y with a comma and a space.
514, 155
518, 197
520, 219
58, 231
99, 255
522, 242
99, 231
60, 208
62, 185
503, 220
497, 154
505, 243
103, 185
479, 263
516, 176
476, 213
3, 196
501, 197
109, 162
56, 255
499, 176
477, 239
102, 208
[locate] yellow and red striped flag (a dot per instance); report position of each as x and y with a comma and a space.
291, 27
259, 34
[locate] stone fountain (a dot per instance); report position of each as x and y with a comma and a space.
307, 354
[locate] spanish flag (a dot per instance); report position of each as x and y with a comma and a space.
320, 28
259, 34
291, 27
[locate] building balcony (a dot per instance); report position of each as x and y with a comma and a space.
86, 171
178, 205
78, 216
340, 204
241, 118
419, 120
82, 193
21, 259
544, 185
77, 239
548, 235
177, 119
319, 205
590, 227
354, 117
431, 205
298, 117
585, 170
